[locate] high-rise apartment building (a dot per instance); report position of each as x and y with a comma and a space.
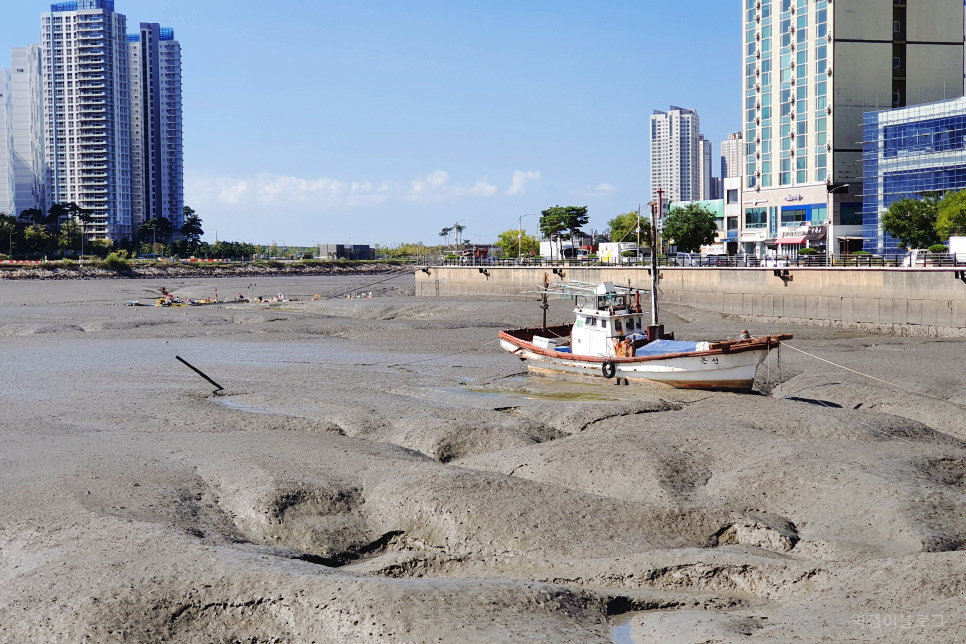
731, 155
87, 112
705, 179
6, 145
811, 69
156, 136
675, 158
23, 175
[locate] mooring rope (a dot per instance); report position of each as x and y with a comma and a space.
864, 375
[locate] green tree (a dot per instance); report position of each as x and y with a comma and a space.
8, 232
37, 240
951, 218
556, 221
32, 216
913, 221
509, 241
690, 227
158, 230
623, 228
191, 228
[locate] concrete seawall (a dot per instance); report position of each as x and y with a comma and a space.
921, 301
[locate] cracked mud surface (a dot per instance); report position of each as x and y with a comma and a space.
379, 471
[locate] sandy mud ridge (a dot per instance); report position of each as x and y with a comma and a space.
378, 470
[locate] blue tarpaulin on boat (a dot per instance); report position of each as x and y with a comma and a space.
563, 349
660, 347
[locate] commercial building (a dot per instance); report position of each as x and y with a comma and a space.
157, 171
910, 152
675, 155
812, 68
23, 174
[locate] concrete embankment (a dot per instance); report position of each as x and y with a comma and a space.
920, 301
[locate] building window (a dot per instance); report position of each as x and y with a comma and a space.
756, 218
794, 217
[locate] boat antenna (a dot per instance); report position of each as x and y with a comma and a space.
545, 296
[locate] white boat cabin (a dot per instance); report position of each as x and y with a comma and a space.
603, 319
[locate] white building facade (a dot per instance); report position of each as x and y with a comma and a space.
731, 155
23, 175
811, 69
87, 112
675, 158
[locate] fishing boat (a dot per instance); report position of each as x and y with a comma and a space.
609, 341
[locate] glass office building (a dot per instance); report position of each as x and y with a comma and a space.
908, 153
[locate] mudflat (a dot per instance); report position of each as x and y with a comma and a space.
378, 470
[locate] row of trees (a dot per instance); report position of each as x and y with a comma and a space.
688, 228
921, 223
64, 230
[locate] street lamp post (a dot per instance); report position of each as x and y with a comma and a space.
831, 244
348, 253
520, 236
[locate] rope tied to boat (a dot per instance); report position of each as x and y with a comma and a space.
864, 375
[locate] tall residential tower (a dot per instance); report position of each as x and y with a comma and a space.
87, 112
675, 155
156, 137
23, 174
811, 69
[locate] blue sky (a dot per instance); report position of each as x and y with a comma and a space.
386, 121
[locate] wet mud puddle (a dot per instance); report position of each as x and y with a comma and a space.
249, 409
621, 629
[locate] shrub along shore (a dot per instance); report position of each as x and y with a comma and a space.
127, 269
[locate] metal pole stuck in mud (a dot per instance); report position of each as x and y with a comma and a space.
199, 372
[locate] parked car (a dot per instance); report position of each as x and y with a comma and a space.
687, 259
746, 259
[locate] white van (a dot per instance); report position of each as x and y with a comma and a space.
915, 257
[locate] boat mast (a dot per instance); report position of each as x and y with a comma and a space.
655, 274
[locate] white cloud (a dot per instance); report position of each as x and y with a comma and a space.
605, 189
437, 186
520, 180
280, 190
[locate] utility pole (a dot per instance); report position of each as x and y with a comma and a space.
655, 274
639, 231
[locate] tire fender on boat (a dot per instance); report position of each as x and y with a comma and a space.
608, 369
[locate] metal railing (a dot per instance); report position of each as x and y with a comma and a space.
816, 260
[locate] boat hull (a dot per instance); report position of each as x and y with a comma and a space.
733, 369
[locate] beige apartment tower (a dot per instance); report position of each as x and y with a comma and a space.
811, 69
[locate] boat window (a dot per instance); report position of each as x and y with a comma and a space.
640, 323
603, 324
630, 324
618, 327
591, 321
